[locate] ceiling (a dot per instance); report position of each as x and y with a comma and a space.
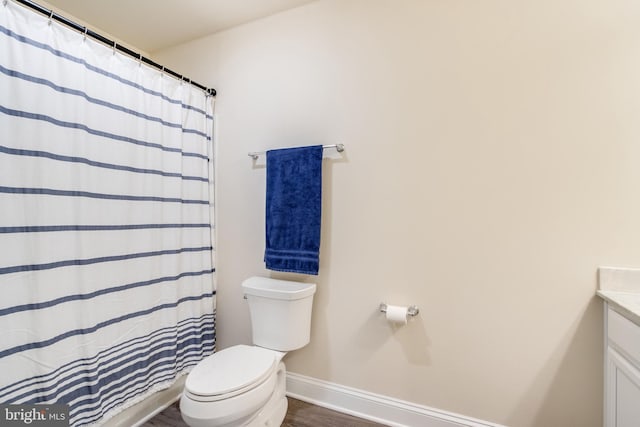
152, 25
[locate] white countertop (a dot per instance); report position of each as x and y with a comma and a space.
620, 287
625, 303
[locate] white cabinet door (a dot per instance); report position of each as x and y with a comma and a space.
623, 391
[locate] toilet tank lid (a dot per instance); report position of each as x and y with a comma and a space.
277, 289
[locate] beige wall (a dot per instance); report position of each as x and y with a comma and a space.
92, 27
492, 164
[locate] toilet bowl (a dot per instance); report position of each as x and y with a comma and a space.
244, 385
234, 386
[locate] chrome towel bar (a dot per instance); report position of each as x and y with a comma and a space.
339, 147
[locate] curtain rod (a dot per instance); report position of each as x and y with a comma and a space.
339, 148
84, 30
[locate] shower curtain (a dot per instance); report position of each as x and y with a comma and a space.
107, 271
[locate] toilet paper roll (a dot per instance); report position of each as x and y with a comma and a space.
397, 314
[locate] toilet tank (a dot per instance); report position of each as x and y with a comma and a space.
280, 312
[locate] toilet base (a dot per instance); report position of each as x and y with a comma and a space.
271, 414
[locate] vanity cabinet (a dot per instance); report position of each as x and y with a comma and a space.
622, 371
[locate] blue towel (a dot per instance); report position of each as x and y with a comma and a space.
293, 210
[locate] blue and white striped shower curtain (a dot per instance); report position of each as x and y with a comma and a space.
106, 247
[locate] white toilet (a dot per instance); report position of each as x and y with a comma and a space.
245, 385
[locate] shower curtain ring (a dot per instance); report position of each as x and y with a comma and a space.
51, 17
85, 33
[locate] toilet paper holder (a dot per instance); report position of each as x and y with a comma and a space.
412, 310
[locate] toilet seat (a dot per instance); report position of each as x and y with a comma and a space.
230, 372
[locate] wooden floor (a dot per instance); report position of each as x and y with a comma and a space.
299, 414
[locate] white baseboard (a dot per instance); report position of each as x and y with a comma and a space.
374, 407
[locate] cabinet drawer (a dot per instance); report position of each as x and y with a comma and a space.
624, 335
